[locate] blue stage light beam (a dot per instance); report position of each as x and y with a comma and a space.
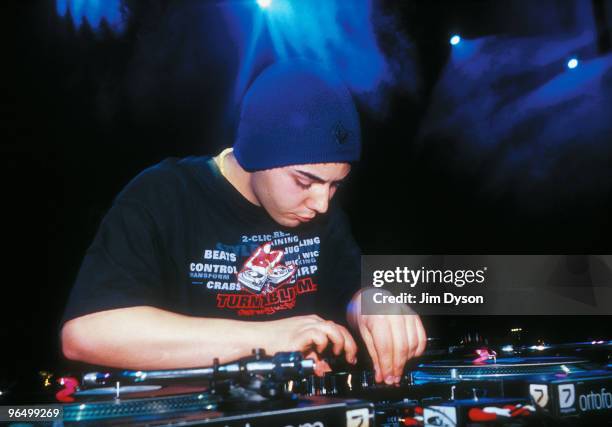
332, 32
92, 12
264, 4
455, 39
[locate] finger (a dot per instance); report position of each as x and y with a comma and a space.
335, 336
383, 341
311, 354
411, 333
350, 346
318, 363
400, 346
317, 338
369, 342
320, 366
422, 337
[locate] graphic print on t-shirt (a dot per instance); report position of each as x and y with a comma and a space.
277, 269
262, 271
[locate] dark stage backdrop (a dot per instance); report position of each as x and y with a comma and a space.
483, 147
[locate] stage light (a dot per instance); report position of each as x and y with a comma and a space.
538, 347
93, 12
572, 63
319, 31
455, 40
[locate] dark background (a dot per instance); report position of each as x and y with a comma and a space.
93, 107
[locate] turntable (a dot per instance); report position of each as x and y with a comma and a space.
281, 273
252, 279
252, 391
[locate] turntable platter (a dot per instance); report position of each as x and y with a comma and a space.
502, 367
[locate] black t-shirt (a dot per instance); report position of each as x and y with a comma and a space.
180, 237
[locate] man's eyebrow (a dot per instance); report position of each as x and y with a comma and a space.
314, 177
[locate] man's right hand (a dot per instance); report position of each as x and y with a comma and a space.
310, 335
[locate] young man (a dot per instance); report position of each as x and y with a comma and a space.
212, 257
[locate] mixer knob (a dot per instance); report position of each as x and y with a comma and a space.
366, 379
311, 385
331, 385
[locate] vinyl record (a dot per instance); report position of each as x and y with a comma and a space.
252, 274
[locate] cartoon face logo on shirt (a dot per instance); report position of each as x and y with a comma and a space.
262, 272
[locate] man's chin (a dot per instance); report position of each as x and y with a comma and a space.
288, 222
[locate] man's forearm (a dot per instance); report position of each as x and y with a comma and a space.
150, 338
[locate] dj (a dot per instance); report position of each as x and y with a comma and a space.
211, 257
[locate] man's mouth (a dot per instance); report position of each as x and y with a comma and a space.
304, 218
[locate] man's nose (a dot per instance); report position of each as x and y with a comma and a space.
319, 199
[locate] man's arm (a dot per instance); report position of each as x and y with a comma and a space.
149, 338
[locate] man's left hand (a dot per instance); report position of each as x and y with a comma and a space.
391, 340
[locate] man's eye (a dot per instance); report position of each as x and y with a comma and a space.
303, 185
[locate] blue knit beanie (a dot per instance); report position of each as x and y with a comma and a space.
297, 113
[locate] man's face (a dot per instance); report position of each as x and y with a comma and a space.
296, 194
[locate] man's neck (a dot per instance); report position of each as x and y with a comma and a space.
236, 175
